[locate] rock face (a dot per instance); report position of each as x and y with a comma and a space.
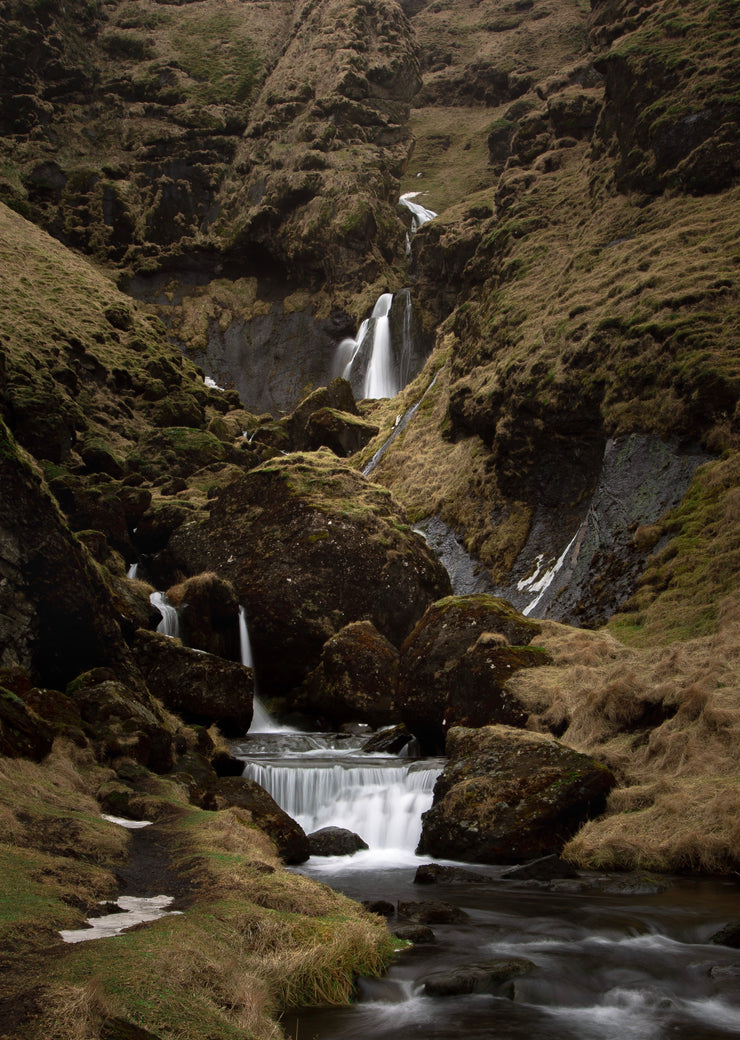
200, 687
455, 664
56, 617
208, 612
508, 796
355, 679
310, 546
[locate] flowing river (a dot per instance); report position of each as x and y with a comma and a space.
614, 957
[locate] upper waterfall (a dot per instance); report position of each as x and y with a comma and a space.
384, 356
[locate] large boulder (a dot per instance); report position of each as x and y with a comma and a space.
208, 611
22, 733
310, 546
199, 687
289, 837
455, 664
335, 841
355, 679
508, 796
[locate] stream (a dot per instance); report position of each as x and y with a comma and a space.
614, 957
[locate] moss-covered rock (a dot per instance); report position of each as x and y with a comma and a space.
208, 610
508, 796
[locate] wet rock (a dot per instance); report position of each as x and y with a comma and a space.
455, 664
310, 546
728, 936
379, 906
355, 678
388, 741
486, 977
335, 841
414, 933
289, 837
431, 911
435, 874
546, 868
208, 610
199, 687
507, 796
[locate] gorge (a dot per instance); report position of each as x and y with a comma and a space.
369, 416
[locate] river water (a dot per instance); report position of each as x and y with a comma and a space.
614, 957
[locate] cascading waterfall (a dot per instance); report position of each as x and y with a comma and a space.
262, 721
380, 380
419, 214
382, 803
170, 623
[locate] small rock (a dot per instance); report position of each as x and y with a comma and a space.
335, 841
728, 936
485, 977
379, 906
431, 911
414, 933
546, 868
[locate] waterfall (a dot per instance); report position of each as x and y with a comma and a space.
381, 803
170, 623
262, 721
133, 571
419, 214
399, 426
380, 380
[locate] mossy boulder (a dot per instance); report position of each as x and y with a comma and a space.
22, 733
455, 664
176, 451
343, 433
310, 546
509, 796
355, 679
201, 688
208, 610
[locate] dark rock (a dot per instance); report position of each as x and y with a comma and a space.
311, 546
431, 911
179, 452
342, 433
336, 397
414, 933
56, 618
22, 733
208, 611
486, 977
225, 764
388, 741
355, 678
728, 936
546, 868
379, 906
121, 1029
120, 722
335, 841
507, 796
434, 874
289, 837
454, 666
199, 687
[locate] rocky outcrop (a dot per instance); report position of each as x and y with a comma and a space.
508, 796
289, 837
200, 687
22, 733
310, 546
455, 664
355, 679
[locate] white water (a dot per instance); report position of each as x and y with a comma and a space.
381, 801
380, 380
262, 721
400, 425
419, 214
170, 623
132, 571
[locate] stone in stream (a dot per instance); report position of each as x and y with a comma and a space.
728, 936
431, 911
434, 874
379, 906
486, 977
414, 933
335, 841
546, 868
388, 741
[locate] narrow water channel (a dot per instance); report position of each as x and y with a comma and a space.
613, 957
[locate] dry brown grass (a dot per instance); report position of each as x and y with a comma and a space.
667, 721
75, 1012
